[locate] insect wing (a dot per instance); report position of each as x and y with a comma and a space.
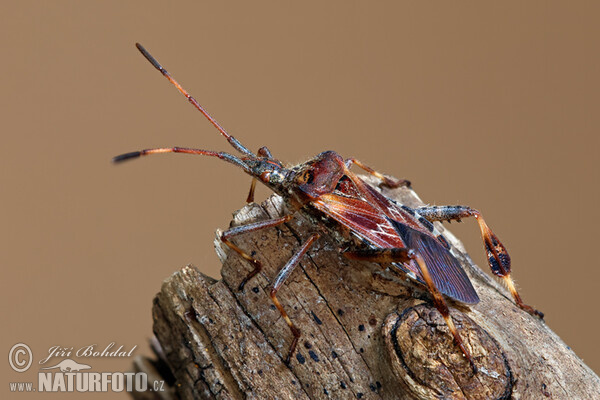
369, 223
362, 218
445, 270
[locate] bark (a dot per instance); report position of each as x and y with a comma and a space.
366, 331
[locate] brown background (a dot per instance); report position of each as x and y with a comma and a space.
489, 105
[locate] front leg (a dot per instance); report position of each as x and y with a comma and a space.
282, 275
497, 255
239, 230
262, 152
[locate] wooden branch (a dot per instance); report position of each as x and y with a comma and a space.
366, 332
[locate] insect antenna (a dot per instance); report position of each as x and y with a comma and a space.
219, 154
232, 141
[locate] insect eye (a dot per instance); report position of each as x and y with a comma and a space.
308, 176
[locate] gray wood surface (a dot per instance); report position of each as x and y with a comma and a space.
366, 331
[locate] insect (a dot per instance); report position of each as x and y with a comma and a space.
389, 233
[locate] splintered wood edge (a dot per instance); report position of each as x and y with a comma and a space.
222, 344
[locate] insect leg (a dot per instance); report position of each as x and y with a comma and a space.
250, 197
262, 152
498, 257
238, 230
403, 255
283, 274
387, 181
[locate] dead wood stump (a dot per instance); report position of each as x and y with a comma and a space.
366, 331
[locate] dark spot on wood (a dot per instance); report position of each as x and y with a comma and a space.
313, 355
255, 289
191, 315
361, 328
372, 320
359, 395
544, 391
293, 382
300, 358
362, 350
273, 307
260, 371
340, 312
325, 392
253, 253
378, 385
343, 385
334, 355
317, 320
307, 345
372, 387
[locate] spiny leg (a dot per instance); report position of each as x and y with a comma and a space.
498, 257
238, 230
283, 274
387, 181
403, 255
262, 152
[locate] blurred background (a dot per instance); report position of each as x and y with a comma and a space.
490, 105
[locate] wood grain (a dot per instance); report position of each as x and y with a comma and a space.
366, 331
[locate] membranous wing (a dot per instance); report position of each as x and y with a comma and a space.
445, 270
384, 224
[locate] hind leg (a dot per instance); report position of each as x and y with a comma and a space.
402, 255
498, 258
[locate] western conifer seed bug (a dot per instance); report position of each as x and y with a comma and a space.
390, 233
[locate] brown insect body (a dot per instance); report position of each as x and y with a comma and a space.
322, 184
390, 233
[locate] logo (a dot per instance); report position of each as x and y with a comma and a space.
20, 357
69, 375
69, 366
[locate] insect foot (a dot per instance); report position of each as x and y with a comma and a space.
428, 363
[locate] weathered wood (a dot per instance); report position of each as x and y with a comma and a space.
366, 331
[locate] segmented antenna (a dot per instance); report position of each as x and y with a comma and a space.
232, 141
219, 154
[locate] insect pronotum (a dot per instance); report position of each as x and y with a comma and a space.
390, 233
